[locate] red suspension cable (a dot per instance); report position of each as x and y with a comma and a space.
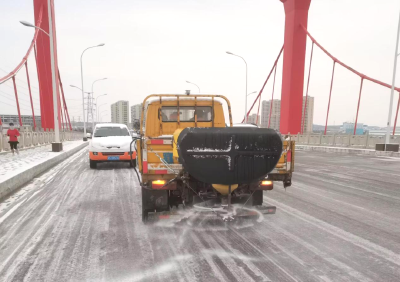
346, 66
330, 94
258, 110
358, 105
30, 95
61, 114
65, 104
16, 99
308, 83
272, 99
259, 94
25, 58
397, 112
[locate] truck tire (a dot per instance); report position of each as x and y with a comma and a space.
153, 201
93, 164
132, 163
257, 198
145, 211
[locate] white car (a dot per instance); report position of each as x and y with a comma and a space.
111, 142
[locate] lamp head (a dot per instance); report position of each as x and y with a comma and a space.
26, 24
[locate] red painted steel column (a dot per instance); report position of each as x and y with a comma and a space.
30, 95
16, 99
42, 120
44, 64
296, 12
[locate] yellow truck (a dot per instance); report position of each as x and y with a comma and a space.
189, 156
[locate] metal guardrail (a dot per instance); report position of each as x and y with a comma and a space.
339, 140
30, 139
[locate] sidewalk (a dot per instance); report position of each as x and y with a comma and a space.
346, 150
17, 170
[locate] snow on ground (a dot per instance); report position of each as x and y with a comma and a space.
338, 222
11, 165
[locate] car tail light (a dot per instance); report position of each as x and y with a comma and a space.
158, 184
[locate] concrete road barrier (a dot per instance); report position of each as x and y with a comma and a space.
353, 151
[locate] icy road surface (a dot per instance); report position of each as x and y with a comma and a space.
340, 221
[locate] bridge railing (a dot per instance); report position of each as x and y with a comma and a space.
343, 140
30, 139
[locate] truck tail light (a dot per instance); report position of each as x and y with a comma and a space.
158, 184
163, 185
266, 185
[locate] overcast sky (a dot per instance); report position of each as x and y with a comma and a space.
154, 46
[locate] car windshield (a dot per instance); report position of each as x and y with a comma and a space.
111, 131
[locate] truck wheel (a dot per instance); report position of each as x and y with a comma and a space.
257, 198
93, 164
145, 215
132, 163
145, 212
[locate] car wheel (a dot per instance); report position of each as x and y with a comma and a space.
132, 163
93, 164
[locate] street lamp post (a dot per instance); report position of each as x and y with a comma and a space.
83, 102
56, 145
96, 99
97, 109
83, 96
193, 84
245, 104
387, 139
102, 115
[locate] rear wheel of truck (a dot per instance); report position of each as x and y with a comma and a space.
93, 164
257, 198
145, 212
132, 163
153, 201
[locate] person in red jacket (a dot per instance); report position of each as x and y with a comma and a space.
13, 134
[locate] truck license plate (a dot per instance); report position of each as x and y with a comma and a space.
113, 158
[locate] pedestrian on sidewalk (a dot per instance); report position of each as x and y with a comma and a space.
13, 134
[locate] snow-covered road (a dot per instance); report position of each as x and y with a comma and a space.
340, 221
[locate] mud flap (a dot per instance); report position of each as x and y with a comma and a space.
232, 155
154, 200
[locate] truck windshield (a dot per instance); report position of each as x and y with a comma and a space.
170, 114
111, 131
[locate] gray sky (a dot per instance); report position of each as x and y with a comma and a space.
154, 46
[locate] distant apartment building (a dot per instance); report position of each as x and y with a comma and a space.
253, 119
276, 114
348, 128
136, 111
309, 117
275, 110
120, 112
